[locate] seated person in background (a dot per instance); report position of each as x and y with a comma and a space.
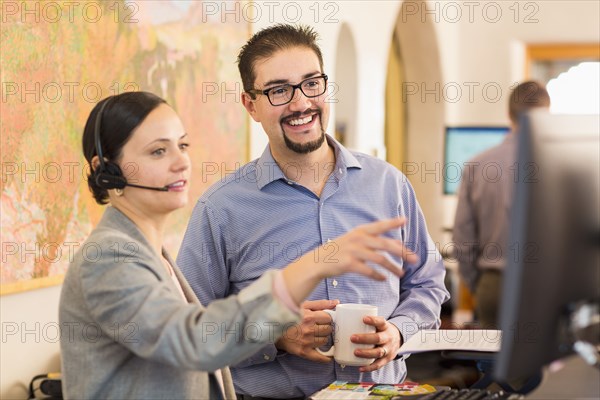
131, 326
305, 191
482, 214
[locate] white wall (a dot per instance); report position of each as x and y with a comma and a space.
30, 343
489, 52
480, 51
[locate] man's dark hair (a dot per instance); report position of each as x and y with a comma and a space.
527, 95
268, 41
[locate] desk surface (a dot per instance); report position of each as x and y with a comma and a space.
576, 380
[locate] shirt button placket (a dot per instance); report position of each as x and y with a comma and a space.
334, 282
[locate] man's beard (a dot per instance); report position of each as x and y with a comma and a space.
304, 148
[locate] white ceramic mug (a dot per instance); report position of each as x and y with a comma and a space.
348, 320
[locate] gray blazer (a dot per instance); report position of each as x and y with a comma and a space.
126, 333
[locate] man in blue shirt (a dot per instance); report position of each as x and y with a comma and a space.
302, 193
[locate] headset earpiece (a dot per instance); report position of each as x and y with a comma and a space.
110, 176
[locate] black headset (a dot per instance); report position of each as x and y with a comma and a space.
108, 174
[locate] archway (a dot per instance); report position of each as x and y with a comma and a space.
345, 87
421, 129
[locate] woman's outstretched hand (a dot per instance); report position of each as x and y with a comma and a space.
349, 253
352, 251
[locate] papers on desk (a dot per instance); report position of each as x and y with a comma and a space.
341, 390
482, 340
487, 340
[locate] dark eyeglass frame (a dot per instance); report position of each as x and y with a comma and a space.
294, 87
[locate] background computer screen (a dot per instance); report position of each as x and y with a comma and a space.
554, 257
462, 144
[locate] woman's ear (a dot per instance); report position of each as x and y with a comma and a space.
95, 163
249, 104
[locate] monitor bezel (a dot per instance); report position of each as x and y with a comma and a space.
548, 213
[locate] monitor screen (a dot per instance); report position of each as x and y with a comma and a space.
554, 260
462, 144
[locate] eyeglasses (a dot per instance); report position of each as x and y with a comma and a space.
283, 94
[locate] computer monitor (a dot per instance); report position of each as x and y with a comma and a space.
554, 241
462, 144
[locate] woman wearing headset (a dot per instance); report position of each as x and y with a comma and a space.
131, 326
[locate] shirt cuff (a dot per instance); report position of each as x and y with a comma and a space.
281, 292
407, 326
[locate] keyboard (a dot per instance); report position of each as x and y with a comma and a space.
470, 394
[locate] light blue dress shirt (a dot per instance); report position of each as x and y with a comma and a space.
256, 219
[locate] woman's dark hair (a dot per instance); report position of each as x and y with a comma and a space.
120, 116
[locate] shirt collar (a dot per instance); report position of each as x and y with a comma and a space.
268, 170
